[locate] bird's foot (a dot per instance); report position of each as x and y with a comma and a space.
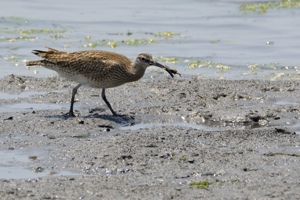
69, 114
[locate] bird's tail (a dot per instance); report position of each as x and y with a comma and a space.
34, 63
39, 53
44, 55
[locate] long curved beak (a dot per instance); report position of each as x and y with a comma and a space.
170, 71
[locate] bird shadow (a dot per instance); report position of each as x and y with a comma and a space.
122, 120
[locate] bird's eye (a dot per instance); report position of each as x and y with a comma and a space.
143, 59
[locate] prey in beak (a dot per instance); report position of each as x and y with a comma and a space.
164, 67
168, 69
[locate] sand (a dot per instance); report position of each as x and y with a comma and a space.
181, 138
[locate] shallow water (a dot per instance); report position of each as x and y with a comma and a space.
26, 94
14, 164
25, 106
252, 45
175, 124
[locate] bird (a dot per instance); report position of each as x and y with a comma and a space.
96, 69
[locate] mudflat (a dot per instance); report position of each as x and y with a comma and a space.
182, 138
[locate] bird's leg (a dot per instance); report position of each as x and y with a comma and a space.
107, 103
74, 91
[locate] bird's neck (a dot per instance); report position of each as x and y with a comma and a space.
137, 72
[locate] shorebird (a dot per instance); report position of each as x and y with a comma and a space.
95, 68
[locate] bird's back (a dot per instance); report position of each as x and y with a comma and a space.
96, 68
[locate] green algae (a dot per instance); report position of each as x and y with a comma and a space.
194, 64
128, 33
166, 34
20, 19
16, 30
11, 59
182, 158
206, 184
167, 60
39, 31
11, 39
199, 64
214, 41
155, 39
279, 71
87, 37
261, 8
16, 60
135, 42
114, 44
252, 66
222, 67
200, 185
282, 75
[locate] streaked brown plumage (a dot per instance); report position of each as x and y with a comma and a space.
95, 68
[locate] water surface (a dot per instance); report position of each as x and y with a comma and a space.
252, 45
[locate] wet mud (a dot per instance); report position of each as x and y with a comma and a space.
181, 138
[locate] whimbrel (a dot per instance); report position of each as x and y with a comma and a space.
95, 68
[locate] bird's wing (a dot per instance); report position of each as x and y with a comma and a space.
84, 62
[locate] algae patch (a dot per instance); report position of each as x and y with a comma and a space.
167, 60
115, 43
202, 63
200, 185
126, 39
38, 31
199, 64
262, 8
138, 41
20, 19
167, 34
16, 29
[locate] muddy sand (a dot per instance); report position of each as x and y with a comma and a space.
181, 138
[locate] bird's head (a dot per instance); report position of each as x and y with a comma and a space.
145, 60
